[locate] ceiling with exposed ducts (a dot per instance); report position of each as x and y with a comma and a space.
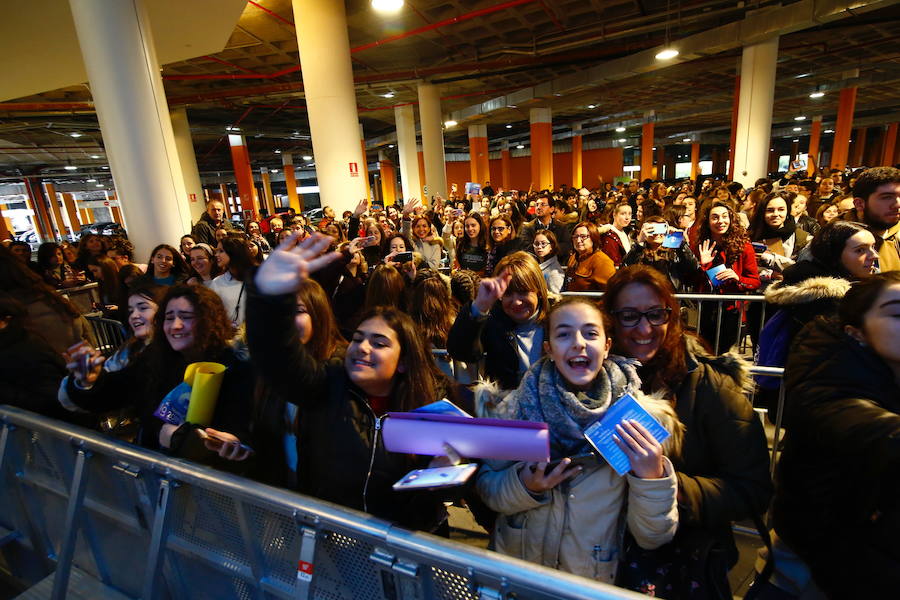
485, 54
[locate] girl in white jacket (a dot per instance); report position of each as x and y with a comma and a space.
573, 517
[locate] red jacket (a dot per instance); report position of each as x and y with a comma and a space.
744, 266
612, 246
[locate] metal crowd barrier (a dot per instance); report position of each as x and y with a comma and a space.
695, 305
89, 516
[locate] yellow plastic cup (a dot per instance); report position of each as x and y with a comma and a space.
205, 379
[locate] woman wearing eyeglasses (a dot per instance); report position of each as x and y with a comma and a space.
546, 248
589, 267
723, 467
502, 241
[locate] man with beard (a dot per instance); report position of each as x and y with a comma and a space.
876, 199
544, 219
204, 232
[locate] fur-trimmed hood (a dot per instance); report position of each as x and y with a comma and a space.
806, 291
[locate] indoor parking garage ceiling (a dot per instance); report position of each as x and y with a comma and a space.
494, 60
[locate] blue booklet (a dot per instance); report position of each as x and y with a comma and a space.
442, 407
711, 273
600, 433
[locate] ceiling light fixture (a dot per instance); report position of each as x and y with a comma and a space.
622, 140
75, 134
509, 126
592, 106
387, 6
798, 129
520, 146
687, 140
273, 170
666, 54
817, 94
232, 128
95, 156
388, 95
796, 140
278, 152
620, 129
449, 123
828, 131
307, 157
99, 185
390, 145
800, 118
90, 181
70, 168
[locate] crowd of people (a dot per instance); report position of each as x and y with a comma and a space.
325, 327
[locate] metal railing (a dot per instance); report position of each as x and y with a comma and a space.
79, 510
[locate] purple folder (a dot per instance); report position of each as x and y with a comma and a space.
499, 439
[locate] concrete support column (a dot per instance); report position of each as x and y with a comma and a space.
735, 106
240, 159
647, 150
695, 160
843, 128
505, 180
815, 135
888, 146
71, 211
295, 201
55, 212
541, 148
388, 179
405, 119
267, 190
479, 162
365, 163
184, 145
754, 126
431, 126
41, 219
124, 74
576, 155
331, 102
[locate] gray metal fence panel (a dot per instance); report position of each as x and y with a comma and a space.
101, 512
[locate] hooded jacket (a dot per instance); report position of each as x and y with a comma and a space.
836, 504
204, 231
578, 526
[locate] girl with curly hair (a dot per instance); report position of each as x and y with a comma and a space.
722, 241
190, 326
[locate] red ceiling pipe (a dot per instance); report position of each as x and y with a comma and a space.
248, 75
271, 13
452, 20
230, 64
30, 106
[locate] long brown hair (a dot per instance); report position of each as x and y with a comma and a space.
326, 339
420, 382
386, 287
432, 308
734, 239
668, 367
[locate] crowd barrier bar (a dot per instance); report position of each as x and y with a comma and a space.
85, 510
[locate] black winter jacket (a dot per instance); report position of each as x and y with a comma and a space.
338, 436
838, 486
30, 372
678, 264
204, 231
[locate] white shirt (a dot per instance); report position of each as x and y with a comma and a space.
233, 296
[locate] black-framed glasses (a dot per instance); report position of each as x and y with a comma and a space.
630, 317
499, 228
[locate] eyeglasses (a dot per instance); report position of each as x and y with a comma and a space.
499, 228
541, 244
580, 236
631, 318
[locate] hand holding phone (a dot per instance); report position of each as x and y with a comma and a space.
84, 363
224, 444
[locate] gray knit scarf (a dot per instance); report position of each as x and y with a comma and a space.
543, 396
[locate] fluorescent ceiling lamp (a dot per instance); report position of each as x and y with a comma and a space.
99, 185
278, 152
592, 106
450, 123
620, 129
800, 118
687, 140
90, 181
307, 157
520, 146
273, 170
95, 156
817, 94
70, 168
509, 126
666, 54
622, 140
798, 129
828, 131
798, 139
388, 95
75, 134
390, 145
387, 6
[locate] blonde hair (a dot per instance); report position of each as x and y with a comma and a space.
526, 277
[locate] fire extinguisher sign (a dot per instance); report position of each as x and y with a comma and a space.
354, 169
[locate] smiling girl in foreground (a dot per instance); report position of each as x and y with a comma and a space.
569, 517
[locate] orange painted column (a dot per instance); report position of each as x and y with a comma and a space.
295, 200
843, 128
888, 146
504, 165
5, 226
859, 146
735, 107
421, 158
240, 159
223, 191
479, 161
41, 219
541, 148
647, 150
55, 212
388, 179
267, 190
576, 156
660, 162
364, 167
695, 160
71, 211
815, 135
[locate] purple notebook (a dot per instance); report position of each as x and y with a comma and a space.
498, 439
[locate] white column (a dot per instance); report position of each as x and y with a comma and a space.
432, 126
188, 160
754, 124
331, 101
123, 71
405, 118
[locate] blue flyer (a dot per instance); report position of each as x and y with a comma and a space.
711, 273
673, 240
600, 433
